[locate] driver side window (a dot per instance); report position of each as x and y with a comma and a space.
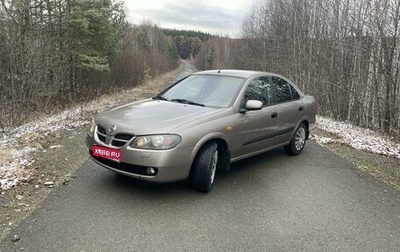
259, 89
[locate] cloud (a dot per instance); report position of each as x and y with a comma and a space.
217, 17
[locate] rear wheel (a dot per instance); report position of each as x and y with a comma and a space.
298, 141
204, 167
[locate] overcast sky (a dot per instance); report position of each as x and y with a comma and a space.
216, 17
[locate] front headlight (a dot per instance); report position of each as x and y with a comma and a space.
92, 127
156, 142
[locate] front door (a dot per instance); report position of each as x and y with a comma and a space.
256, 129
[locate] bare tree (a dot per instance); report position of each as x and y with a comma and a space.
345, 52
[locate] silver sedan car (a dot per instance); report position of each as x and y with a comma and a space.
202, 123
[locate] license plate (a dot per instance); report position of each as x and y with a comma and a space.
109, 153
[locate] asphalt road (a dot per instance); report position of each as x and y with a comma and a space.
272, 202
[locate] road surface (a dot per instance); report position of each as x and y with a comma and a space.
272, 202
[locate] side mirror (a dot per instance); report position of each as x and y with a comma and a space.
252, 105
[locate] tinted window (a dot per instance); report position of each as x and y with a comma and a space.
259, 89
282, 89
295, 94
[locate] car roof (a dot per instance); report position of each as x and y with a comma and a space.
233, 72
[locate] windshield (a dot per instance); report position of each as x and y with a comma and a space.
204, 90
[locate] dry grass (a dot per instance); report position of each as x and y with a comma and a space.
5, 155
155, 85
146, 90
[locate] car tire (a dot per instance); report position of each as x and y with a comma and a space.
298, 141
204, 167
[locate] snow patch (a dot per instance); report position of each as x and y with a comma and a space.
14, 167
357, 137
17, 145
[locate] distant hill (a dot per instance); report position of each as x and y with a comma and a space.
187, 33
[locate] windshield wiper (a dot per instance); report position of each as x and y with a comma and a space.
188, 102
160, 97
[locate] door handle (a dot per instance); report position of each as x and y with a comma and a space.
274, 114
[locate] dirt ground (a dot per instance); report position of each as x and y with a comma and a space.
56, 167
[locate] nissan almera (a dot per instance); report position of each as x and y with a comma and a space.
202, 123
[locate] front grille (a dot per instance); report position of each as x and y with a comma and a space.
101, 133
129, 168
121, 139
118, 140
101, 130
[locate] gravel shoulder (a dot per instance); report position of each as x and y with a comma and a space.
54, 167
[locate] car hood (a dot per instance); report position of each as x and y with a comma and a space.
151, 116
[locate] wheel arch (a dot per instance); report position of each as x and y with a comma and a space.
223, 152
307, 124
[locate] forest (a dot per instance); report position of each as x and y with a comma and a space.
55, 53
345, 53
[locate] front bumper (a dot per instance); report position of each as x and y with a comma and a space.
171, 165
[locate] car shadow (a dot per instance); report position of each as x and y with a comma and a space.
137, 184
255, 162
244, 172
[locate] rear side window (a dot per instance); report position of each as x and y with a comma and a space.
282, 89
295, 94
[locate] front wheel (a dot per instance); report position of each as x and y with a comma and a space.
298, 141
204, 167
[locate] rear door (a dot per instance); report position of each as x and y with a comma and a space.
290, 108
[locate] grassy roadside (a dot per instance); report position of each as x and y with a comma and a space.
386, 169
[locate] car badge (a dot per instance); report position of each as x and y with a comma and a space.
112, 128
